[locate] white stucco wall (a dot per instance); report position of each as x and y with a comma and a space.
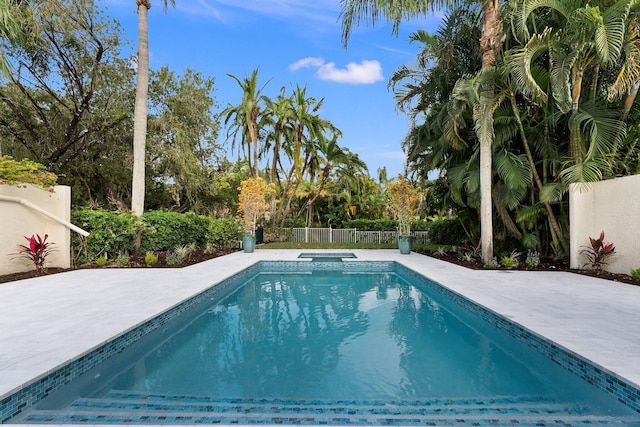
612, 206
17, 221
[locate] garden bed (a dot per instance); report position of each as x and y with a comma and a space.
135, 261
199, 255
546, 264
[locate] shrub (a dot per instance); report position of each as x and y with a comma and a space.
115, 232
101, 261
492, 264
447, 232
223, 232
110, 233
150, 258
635, 273
122, 260
372, 224
533, 259
511, 260
382, 225
174, 258
166, 230
25, 172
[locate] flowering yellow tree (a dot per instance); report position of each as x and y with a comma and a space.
404, 201
254, 193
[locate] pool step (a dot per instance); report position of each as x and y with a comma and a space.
140, 408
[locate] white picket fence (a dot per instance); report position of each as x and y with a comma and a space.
351, 235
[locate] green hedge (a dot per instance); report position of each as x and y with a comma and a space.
164, 231
383, 225
114, 233
111, 234
224, 232
447, 232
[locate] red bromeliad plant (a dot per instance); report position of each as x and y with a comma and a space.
598, 253
37, 251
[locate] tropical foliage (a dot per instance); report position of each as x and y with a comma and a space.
561, 111
507, 110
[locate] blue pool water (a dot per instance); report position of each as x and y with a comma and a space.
331, 346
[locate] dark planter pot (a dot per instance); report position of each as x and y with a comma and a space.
405, 243
248, 243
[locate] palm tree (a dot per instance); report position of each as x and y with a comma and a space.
280, 115
140, 110
332, 156
305, 129
353, 11
248, 117
10, 29
590, 43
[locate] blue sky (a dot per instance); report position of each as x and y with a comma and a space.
292, 42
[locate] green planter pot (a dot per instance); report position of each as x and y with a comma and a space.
248, 243
405, 244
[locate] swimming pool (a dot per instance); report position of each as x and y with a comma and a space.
410, 364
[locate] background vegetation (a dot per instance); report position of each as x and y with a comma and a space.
562, 110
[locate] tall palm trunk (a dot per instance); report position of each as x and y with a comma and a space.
140, 112
253, 134
491, 29
575, 139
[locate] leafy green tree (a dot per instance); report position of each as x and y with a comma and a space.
69, 101
182, 134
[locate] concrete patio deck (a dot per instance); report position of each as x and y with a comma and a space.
47, 321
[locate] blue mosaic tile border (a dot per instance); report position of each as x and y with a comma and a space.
346, 266
604, 380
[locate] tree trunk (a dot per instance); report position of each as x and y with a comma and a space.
486, 208
491, 29
140, 112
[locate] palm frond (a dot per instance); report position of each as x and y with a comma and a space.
601, 129
513, 170
561, 66
629, 74
552, 192
590, 170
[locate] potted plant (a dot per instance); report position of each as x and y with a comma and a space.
403, 202
252, 205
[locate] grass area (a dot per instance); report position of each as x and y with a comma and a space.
293, 245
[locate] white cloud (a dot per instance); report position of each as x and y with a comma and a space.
366, 72
309, 61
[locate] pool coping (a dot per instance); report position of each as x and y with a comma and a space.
592, 317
